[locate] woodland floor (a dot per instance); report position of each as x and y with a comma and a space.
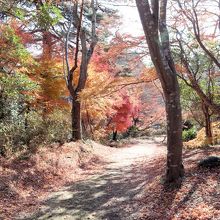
126, 184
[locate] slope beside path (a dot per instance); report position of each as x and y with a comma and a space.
110, 194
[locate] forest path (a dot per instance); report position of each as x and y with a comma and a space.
111, 194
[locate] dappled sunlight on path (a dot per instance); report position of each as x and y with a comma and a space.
112, 194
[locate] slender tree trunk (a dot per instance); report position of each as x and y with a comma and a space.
47, 46
114, 137
85, 128
26, 125
208, 126
207, 101
86, 52
135, 121
89, 124
2, 104
76, 120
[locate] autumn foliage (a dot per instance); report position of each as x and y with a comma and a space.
122, 119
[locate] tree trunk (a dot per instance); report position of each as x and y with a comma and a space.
47, 46
84, 129
174, 138
153, 17
207, 101
89, 124
76, 121
86, 54
208, 126
114, 135
2, 104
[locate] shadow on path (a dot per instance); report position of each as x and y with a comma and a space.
112, 195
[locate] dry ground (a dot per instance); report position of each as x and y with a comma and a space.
124, 183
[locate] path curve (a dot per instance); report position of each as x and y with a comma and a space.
109, 195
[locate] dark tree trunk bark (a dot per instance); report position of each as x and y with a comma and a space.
47, 46
208, 126
114, 135
2, 105
135, 121
76, 120
81, 37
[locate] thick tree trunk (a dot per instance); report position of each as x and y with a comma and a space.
174, 138
153, 17
76, 120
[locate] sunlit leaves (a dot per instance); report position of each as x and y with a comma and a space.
12, 51
48, 16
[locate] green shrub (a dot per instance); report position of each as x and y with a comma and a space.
131, 132
33, 130
189, 134
16, 135
58, 126
16, 98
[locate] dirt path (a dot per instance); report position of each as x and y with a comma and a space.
111, 194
